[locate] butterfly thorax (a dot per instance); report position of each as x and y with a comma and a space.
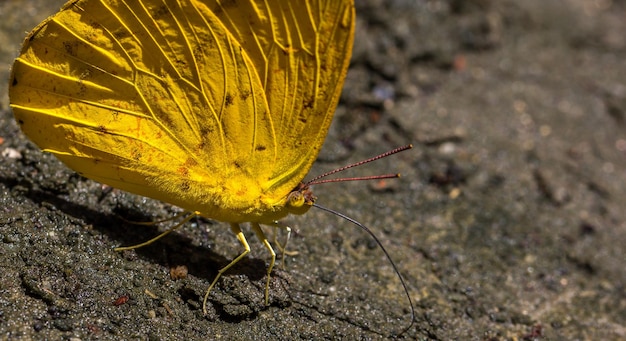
245, 201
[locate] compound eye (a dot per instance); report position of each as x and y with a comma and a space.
295, 199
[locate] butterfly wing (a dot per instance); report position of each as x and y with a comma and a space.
301, 51
162, 99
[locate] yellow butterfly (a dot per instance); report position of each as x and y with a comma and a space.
219, 107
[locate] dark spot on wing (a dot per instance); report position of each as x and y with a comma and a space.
183, 171
228, 100
160, 12
69, 47
184, 185
309, 103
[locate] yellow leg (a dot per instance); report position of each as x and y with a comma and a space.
283, 248
168, 231
155, 222
259, 233
242, 239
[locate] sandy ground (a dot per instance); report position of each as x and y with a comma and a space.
508, 223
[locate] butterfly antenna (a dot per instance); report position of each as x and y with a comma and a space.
316, 180
395, 268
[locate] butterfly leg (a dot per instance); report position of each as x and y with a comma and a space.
156, 222
283, 247
242, 239
165, 233
259, 233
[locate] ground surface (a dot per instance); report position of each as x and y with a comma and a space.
508, 223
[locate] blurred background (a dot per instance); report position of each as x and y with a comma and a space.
508, 222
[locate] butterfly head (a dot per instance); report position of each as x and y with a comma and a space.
300, 199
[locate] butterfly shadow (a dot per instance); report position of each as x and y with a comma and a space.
239, 293
232, 302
